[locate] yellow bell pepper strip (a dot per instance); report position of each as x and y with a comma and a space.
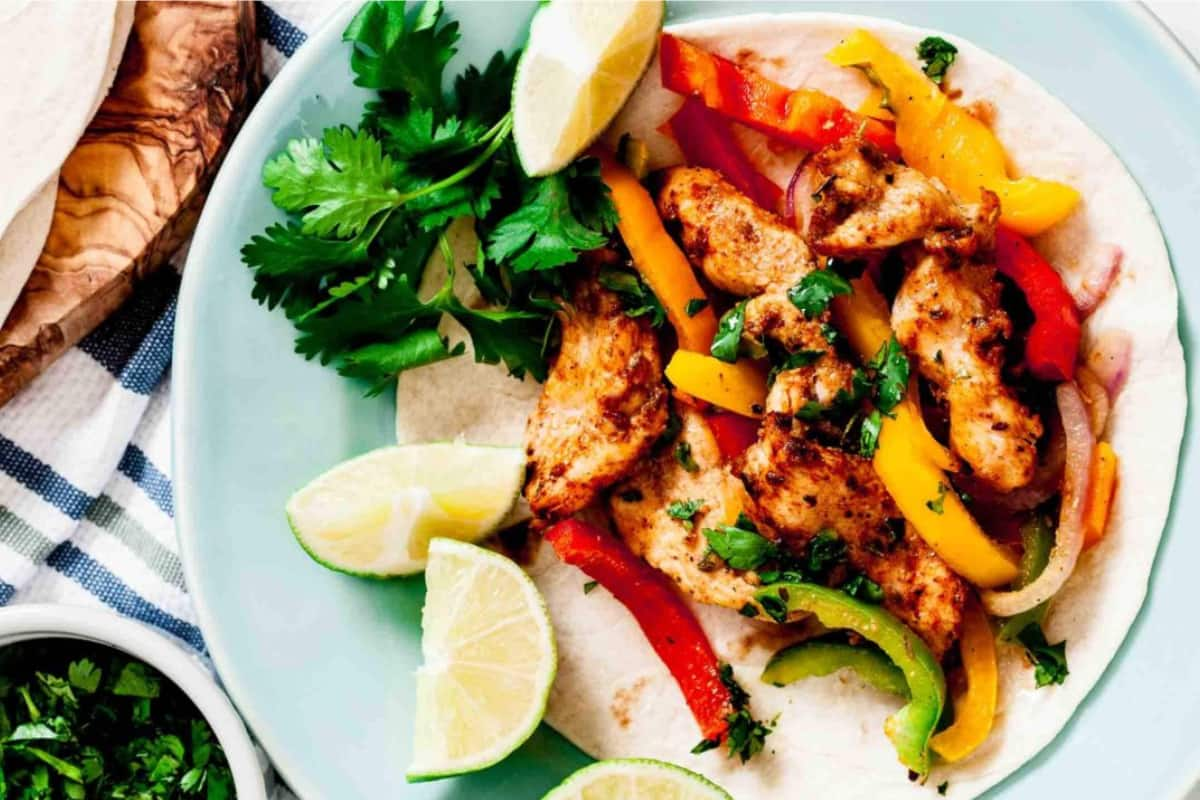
908, 464
657, 258
740, 387
975, 711
941, 139
909, 728
863, 318
1104, 484
816, 657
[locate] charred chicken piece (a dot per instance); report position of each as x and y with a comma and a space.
861, 202
799, 488
948, 316
602, 406
678, 547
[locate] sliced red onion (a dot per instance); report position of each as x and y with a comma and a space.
1110, 359
1095, 395
799, 202
1095, 285
1068, 542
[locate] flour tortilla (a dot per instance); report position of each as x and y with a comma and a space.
614, 698
68, 82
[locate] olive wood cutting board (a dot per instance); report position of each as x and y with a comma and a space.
130, 193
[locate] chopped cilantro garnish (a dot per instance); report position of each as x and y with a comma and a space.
811, 410
829, 332
683, 454
589, 586
78, 720
695, 306
728, 341
825, 551
938, 55
740, 547
938, 504
814, 291
863, 588
868, 438
1049, 660
635, 296
891, 369
942, 787
684, 510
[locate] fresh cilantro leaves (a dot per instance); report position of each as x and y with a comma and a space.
636, 297
891, 370
685, 510
397, 50
745, 736
728, 341
739, 547
814, 291
79, 721
368, 205
938, 504
938, 55
683, 454
1049, 660
868, 436
695, 306
863, 588
553, 224
589, 586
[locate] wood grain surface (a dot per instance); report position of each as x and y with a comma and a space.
130, 193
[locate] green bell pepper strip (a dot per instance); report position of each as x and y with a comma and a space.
1037, 537
817, 657
911, 727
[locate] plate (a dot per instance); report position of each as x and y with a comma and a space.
320, 664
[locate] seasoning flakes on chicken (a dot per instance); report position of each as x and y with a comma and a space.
800, 488
861, 202
948, 316
673, 545
602, 406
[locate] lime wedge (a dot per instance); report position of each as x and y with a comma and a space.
636, 779
581, 63
489, 661
374, 515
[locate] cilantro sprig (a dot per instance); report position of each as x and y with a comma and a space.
367, 206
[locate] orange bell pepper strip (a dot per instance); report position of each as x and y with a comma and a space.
657, 258
1104, 485
806, 118
908, 460
975, 711
740, 387
941, 139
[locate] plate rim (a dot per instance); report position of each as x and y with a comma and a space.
264, 120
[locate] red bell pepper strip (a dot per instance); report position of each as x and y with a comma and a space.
1052, 347
706, 139
733, 432
665, 619
806, 118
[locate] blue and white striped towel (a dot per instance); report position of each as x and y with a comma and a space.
85, 490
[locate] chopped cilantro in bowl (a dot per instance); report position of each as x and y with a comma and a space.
82, 720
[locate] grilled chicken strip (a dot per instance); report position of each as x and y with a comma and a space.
860, 202
748, 251
800, 488
677, 547
949, 317
602, 407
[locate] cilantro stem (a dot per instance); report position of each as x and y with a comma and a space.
502, 129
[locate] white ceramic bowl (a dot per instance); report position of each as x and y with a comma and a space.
182, 667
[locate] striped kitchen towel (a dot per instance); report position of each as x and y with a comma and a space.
85, 490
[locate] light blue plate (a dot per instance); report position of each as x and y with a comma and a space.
321, 664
